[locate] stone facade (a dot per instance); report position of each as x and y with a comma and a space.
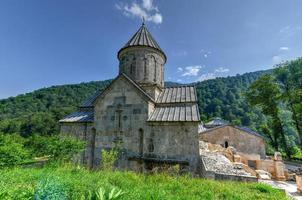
121, 114
251, 145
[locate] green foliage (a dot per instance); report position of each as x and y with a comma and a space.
279, 97
79, 183
224, 97
289, 79
108, 158
60, 148
265, 93
12, 151
16, 150
39, 111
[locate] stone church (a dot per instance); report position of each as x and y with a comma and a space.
153, 125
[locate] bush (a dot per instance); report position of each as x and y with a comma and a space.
108, 158
60, 148
12, 150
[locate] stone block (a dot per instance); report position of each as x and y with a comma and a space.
237, 158
299, 183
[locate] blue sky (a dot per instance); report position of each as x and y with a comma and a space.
54, 42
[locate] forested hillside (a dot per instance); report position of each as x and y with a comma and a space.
39, 111
225, 98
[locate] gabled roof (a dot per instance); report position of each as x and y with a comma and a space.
241, 128
89, 102
180, 94
175, 113
142, 38
176, 104
79, 116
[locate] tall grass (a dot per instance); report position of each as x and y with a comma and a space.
70, 182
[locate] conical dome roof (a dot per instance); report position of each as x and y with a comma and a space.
142, 38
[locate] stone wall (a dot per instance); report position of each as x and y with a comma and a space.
120, 117
85, 132
174, 140
242, 141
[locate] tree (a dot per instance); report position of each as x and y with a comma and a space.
266, 94
289, 78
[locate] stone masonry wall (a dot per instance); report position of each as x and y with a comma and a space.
120, 116
174, 140
83, 131
242, 141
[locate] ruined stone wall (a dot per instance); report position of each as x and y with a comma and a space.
144, 65
242, 141
82, 131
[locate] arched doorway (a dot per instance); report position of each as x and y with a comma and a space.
226, 144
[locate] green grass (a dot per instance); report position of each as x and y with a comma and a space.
77, 183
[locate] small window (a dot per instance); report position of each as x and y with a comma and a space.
226, 144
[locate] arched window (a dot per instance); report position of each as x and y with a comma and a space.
145, 68
150, 146
226, 144
132, 69
141, 141
155, 69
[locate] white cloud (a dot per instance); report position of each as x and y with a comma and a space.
146, 10
148, 5
284, 48
179, 69
221, 70
191, 70
156, 18
206, 76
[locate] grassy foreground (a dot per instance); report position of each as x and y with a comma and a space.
77, 183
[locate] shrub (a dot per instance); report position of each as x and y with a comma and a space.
12, 151
108, 158
60, 148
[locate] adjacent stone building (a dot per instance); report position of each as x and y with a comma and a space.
244, 140
152, 124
